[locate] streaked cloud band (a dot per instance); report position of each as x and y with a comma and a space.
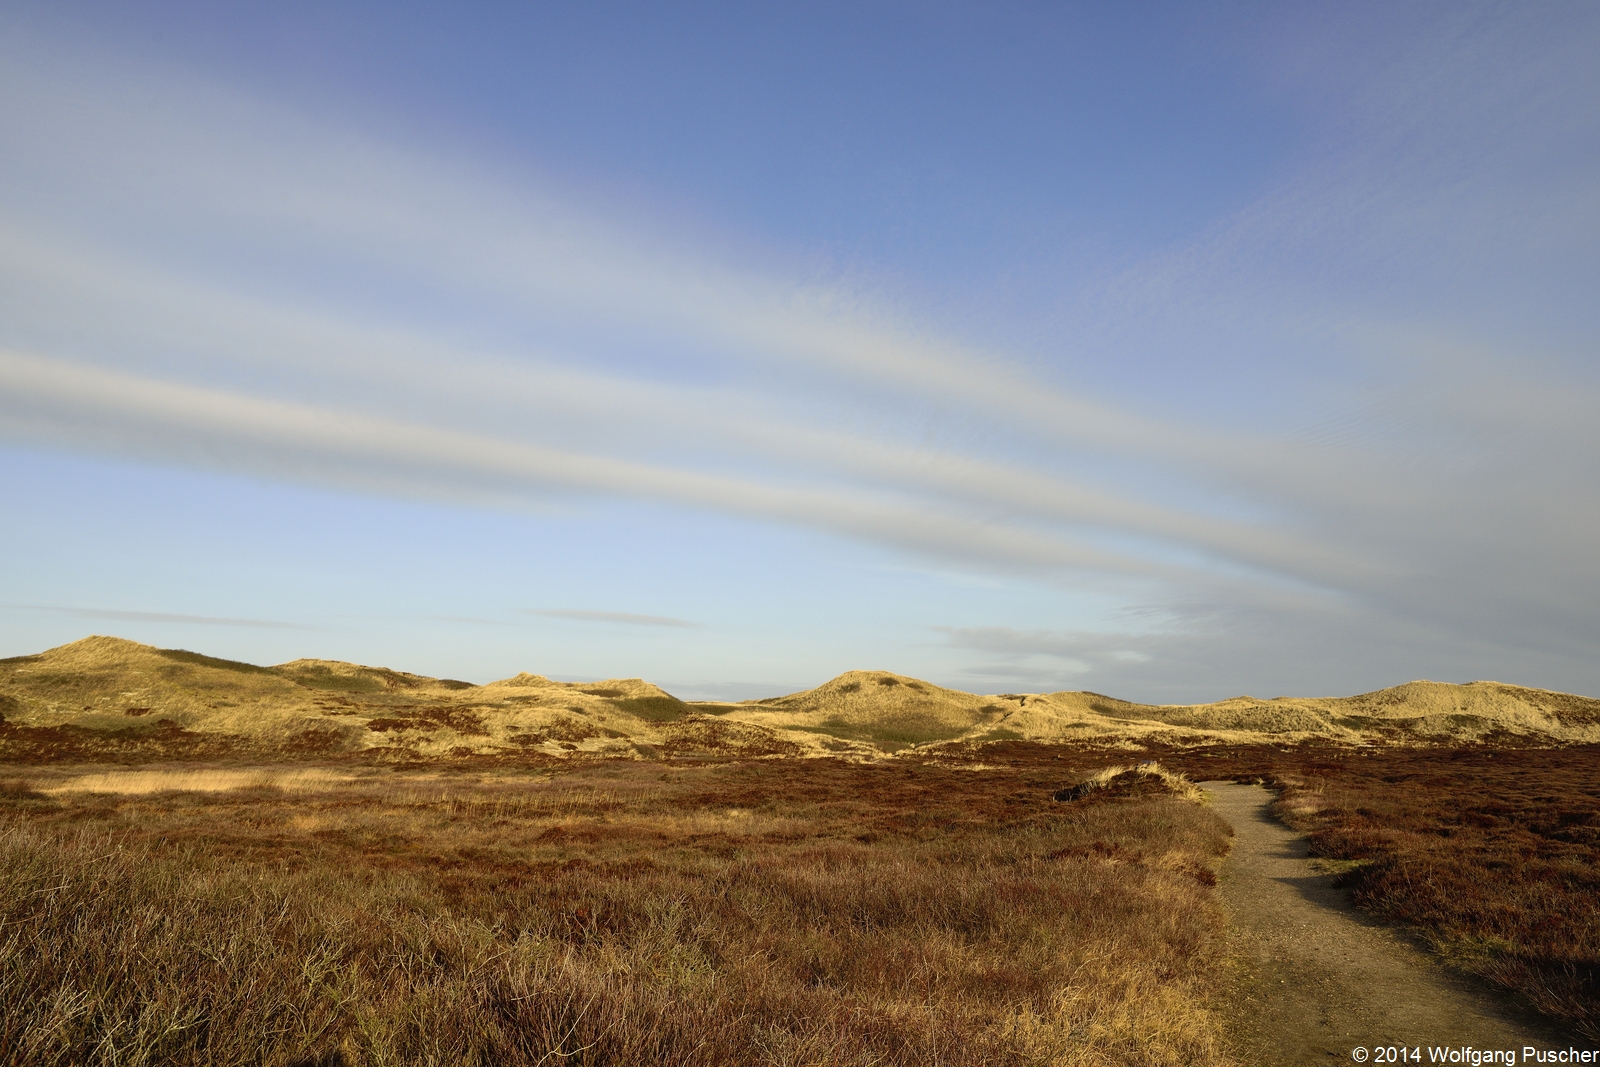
48, 399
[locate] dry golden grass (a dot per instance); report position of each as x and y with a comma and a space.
779, 912
204, 780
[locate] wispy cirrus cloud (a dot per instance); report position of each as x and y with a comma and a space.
118, 615
621, 617
66, 403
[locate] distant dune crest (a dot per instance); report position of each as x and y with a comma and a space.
105, 696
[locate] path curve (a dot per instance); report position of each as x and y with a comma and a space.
1312, 977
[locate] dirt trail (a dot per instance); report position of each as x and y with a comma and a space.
1314, 978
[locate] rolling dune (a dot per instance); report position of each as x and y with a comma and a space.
107, 697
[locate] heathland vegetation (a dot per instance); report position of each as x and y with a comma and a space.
690, 912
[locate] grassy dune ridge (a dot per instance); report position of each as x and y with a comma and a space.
106, 698
789, 912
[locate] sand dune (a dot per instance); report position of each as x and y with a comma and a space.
103, 695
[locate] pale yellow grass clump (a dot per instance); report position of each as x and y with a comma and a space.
197, 781
1178, 783
1299, 798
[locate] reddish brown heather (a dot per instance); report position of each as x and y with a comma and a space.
783, 912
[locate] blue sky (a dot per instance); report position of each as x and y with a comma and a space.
1168, 350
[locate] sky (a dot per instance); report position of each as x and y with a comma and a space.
1175, 351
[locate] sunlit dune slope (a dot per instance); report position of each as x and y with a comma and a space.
1417, 711
103, 696
889, 710
877, 708
107, 692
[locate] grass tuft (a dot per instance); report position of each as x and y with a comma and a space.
1144, 779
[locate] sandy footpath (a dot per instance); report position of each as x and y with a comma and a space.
1312, 978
